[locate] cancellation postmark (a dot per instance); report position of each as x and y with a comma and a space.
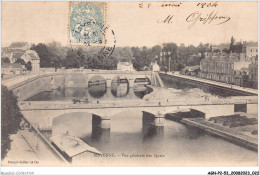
86, 23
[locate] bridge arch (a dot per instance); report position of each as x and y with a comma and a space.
97, 86
142, 80
70, 123
96, 79
120, 86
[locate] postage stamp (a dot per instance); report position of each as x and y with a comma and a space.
86, 23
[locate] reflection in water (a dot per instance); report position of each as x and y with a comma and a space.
97, 86
119, 86
150, 131
97, 91
75, 92
130, 134
195, 133
118, 91
100, 135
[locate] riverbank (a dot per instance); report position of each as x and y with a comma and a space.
215, 83
231, 134
29, 149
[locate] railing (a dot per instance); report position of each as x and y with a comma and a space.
96, 71
158, 79
32, 105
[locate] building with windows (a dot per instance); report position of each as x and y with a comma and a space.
250, 49
229, 68
32, 56
253, 74
125, 66
22, 50
15, 50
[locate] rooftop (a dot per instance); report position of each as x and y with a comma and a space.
72, 145
252, 44
18, 44
17, 55
33, 56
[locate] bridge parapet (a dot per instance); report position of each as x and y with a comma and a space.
46, 105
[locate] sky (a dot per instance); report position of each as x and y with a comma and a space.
43, 22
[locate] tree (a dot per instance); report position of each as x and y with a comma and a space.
216, 51
232, 41
28, 65
138, 63
156, 50
20, 61
202, 49
75, 58
70, 61
226, 50
10, 119
169, 47
57, 53
44, 54
5, 60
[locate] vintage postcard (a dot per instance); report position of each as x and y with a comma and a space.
103, 83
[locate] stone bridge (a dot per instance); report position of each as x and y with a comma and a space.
25, 88
43, 113
81, 78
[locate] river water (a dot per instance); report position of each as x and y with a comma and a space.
174, 144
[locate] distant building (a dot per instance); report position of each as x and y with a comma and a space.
154, 66
15, 50
20, 45
250, 49
12, 69
22, 50
125, 66
72, 148
229, 68
253, 74
31, 55
220, 47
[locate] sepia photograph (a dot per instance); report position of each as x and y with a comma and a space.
140, 84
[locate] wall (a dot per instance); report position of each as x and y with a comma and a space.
34, 86
45, 117
252, 108
47, 82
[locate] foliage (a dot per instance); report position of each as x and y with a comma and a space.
226, 50
10, 119
232, 41
5, 60
20, 61
55, 55
28, 65
44, 54
144, 56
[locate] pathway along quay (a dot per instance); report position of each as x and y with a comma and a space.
222, 130
62, 116
235, 88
